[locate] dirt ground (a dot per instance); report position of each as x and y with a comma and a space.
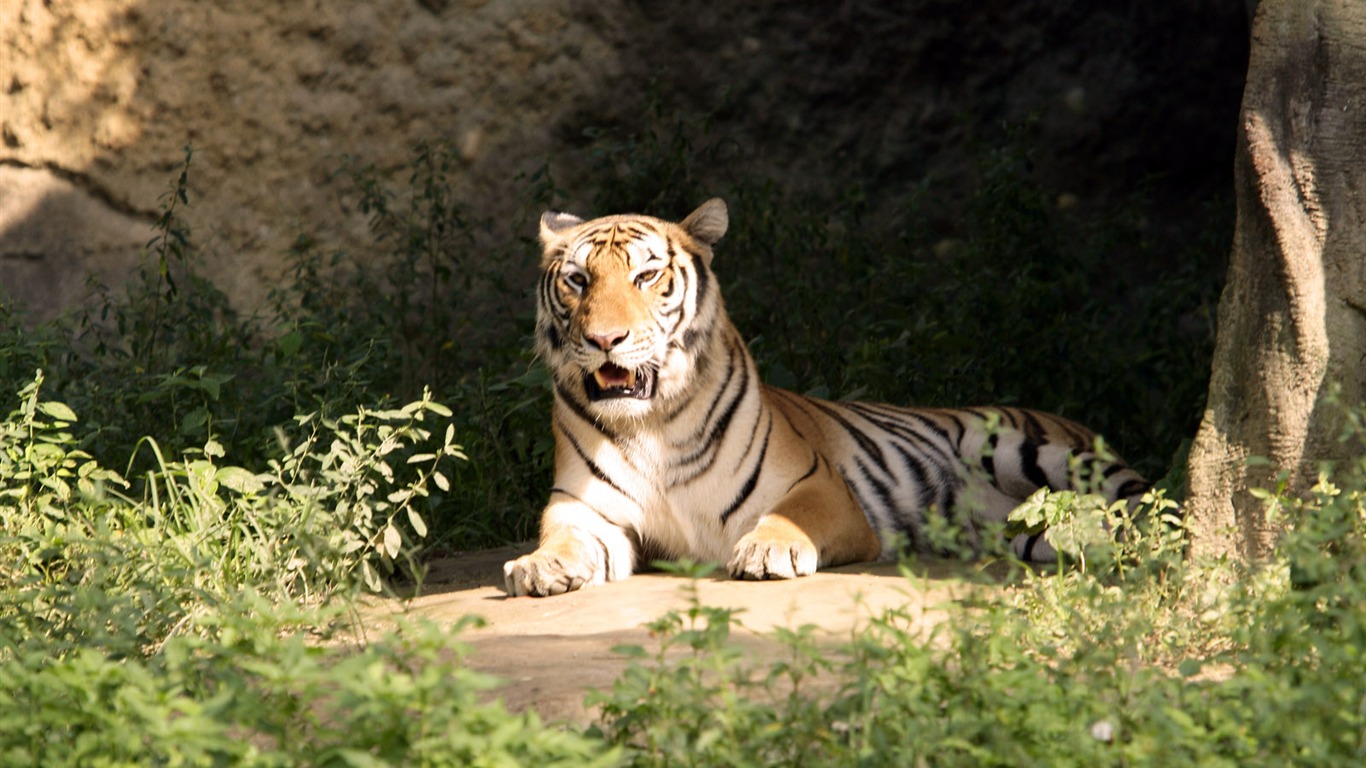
550, 651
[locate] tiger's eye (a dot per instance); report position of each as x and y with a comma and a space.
648, 276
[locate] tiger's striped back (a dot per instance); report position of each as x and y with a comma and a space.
906, 463
668, 445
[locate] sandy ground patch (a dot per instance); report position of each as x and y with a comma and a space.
551, 651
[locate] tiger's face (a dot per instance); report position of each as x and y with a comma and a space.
619, 301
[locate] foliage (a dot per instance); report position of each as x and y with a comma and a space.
242, 693
438, 306
167, 355
186, 490
178, 627
1142, 658
333, 514
178, 524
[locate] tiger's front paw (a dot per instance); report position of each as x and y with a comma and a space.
759, 557
552, 570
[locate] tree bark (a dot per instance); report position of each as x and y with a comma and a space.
1292, 318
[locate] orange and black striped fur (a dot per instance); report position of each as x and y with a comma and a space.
667, 445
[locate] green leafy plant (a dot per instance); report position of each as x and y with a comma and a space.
345, 506
189, 624
697, 699
374, 487
246, 694
1144, 656
167, 551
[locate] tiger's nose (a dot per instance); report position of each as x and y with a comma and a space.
605, 341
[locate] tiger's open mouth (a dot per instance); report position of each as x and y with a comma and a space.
613, 381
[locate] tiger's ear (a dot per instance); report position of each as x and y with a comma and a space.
554, 222
708, 223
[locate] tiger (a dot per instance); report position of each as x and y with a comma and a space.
668, 445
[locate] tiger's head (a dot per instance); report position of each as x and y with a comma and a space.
624, 307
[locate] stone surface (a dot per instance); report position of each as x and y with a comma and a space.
57, 230
274, 97
98, 97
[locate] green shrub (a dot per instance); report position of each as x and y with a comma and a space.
437, 305
167, 356
248, 695
1008, 299
346, 503
1138, 656
166, 553
190, 624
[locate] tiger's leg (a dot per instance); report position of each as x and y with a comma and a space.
816, 524
579, 548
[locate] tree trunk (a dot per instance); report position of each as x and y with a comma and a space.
1292, 318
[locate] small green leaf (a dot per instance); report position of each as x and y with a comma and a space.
194, 421
370, 575
393, 542
631, 651
211, 385
418, 524
239, 480
290, 343
59, 411
58, 486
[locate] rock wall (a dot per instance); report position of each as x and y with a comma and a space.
97, 98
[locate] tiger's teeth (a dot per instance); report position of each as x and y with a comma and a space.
614, 377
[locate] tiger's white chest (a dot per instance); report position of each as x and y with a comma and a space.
680, 509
